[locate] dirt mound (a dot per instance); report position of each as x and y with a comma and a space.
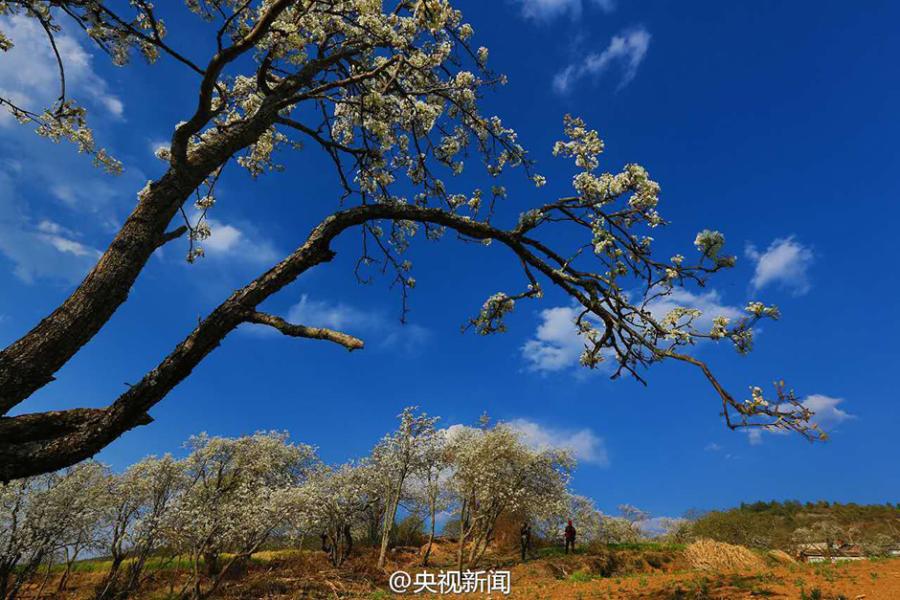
550, 569
718, 557
781, 557
443, 552
605, 563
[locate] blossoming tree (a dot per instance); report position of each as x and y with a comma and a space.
47, 519
136, 507
494, 472
406, 451
389, 91
239, 493
332, 501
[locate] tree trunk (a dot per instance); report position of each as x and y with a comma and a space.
70, 560
463, 533
481, 547
430, 536
4, 581
348, 541
45, 580
135, 569
29, 363
109, 586
37, 443
211, 563
390, 514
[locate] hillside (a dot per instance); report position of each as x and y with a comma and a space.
784, 524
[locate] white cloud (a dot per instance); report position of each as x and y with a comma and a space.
712, 447
785, 263
43, 251
227, 241
95, 204
224, 238
52, 228
557, 346
543, 10
70, 246
318, 313
755, 436
406, 337
657, 526
38, 247
584, 444
29, 73
451, 432
826, 415
626, 49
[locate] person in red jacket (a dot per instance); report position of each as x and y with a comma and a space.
570, 537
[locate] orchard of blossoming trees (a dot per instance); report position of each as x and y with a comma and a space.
390, 92
227, 498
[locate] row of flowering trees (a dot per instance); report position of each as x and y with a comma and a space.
226, 496
218, 505
225, 499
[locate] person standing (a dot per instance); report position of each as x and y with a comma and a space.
525, 539
570, 537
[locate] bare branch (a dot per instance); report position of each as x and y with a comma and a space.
350, 342
171, 235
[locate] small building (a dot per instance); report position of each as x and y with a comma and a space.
820, 552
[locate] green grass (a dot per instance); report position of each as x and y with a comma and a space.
696, 589
554, 551
647, 546
166, 563
581, 577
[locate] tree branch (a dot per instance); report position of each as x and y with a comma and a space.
89, 432
210, 82
316, 333
171, 235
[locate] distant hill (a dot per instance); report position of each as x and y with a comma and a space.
783, 525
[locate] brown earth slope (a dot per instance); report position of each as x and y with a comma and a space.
637, 573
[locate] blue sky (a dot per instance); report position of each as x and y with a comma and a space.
773, 122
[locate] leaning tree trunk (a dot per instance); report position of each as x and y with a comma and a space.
109, 587
430, 536
29, 363
45, 442
390, 514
